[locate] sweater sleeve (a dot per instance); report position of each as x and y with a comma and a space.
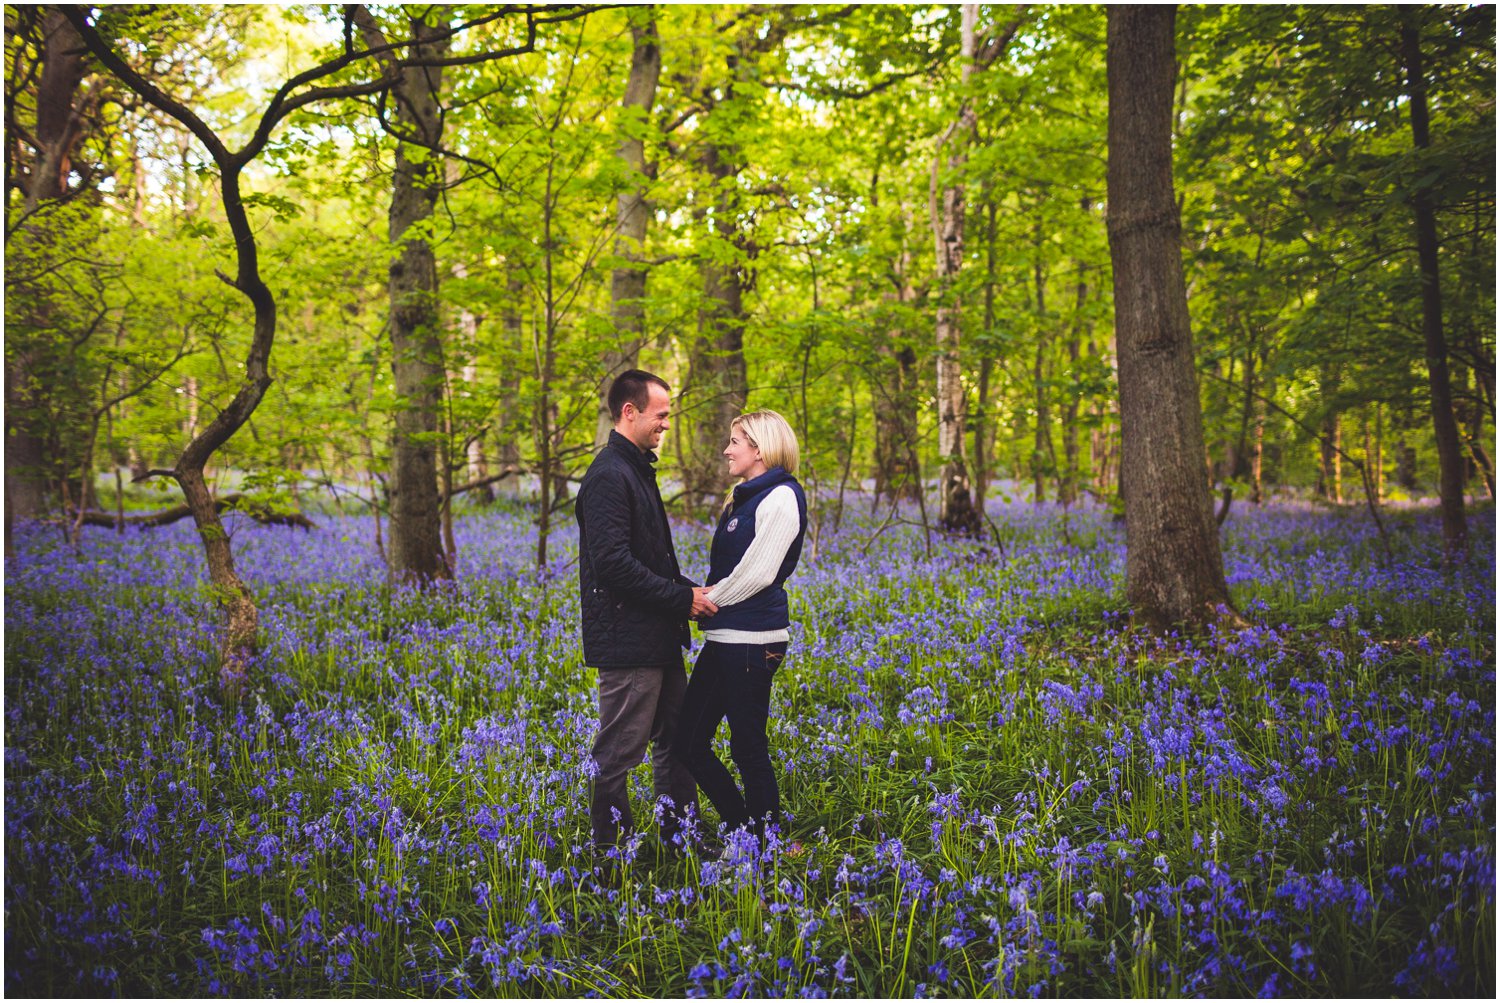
776, 526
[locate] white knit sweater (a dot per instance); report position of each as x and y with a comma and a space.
776, 527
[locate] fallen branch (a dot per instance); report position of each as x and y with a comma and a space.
258, 511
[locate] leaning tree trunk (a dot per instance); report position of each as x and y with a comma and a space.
238, 644
1444, 427
416, 546
627, 283
1174, 573
956, 511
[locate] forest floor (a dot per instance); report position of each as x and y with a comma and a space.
996, 785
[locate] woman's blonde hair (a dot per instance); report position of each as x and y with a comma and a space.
770, 433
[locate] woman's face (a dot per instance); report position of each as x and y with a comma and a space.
744, 459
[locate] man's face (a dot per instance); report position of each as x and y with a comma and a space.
644, 428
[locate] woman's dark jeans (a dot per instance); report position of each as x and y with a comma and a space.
733, 681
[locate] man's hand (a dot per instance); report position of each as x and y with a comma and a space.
702, 604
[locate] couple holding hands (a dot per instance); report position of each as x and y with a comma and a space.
637, 603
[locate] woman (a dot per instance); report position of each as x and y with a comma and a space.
755, 548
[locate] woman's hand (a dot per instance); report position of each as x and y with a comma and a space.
702, 604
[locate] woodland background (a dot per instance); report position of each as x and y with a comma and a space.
387, 258
1195, 301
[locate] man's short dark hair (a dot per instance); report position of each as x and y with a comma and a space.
633, 385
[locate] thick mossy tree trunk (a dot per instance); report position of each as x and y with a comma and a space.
416, 550
1444, 426
1174, 572
627, 282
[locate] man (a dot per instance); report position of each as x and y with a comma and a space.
636, 605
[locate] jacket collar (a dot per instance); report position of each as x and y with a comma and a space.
641, 457
755, 485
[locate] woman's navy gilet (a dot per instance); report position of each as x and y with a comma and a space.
767, 609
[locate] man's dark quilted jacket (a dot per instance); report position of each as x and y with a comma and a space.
635, 600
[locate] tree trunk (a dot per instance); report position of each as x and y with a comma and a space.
956, 511
1333, 460
545, 425
238, 644
983, 440
1067, 484
894, 392
718, 384
1444, 427
416, 544
1406, 464
1041, 444
1257, 453
627, 284
60, 126
469, 441
512, 424
1237, 464
1174, 572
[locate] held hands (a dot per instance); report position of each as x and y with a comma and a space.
702, 604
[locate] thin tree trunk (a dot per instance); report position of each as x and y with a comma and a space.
982, 440
475, 461
1041, 445
956, 511
1174, 572
1330, 471
1470, 418
546, 409
627, 286
1406, 463
1236, 464
1257, 453
510, 432
1445, 429
894, 390
1067, 484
